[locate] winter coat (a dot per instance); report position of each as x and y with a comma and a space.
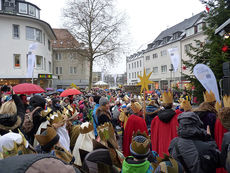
30, 163
131, 166
95, 120
103, 115
163, 130
207, 115
193, 147
225, 148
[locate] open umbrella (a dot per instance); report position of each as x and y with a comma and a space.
49, 89
60, 90
69, 92
27, 88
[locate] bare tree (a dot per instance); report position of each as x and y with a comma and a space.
96, 24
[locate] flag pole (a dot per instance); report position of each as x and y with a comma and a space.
144, 105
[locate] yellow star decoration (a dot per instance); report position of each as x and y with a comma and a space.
144, 81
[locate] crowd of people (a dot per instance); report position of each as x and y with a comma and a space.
113, 131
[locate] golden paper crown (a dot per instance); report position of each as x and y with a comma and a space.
86, 129
140, 147
185, 104
226, 100
44, 113
136, 107
209, 97
48, 136
167, 97
56, 117
218, 106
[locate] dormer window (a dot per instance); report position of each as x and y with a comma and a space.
176, 35
190, 31
166, 39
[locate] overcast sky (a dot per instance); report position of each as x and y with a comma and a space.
146, 18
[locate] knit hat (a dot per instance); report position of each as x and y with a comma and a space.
48, 139
103, 101
136, 107
140, 146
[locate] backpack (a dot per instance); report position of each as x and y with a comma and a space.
28, 121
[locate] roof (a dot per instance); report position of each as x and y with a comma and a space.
64, 39
180, 27
225, 26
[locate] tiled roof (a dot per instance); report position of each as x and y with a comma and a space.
182, 26
64, 39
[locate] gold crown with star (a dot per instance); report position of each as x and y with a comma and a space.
167, 97
209, 96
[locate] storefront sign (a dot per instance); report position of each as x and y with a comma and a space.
45, 76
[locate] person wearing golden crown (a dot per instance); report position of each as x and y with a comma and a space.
164, 125
134, 123
207, 111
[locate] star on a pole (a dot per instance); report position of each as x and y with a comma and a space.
144, 81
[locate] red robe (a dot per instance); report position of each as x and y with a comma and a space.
162, 134
134, 123
219, 134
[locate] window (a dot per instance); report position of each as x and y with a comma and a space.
164, 69
134, 64
37, 13
0, 5
45, 64
23, 8
32, 10
132, 75
190, 31
72, 56
147, 58
163, 53
50, 67
155, 69
17, 63
155, 55
200, 27
176, 35
140, 73
49, 45
39, 62
59, 70
187, 47
44, 38
148, 70
137, 64
15, 31
58, 56
73, 70
129, 75
135, 74
140, 63
33, 34
129, 66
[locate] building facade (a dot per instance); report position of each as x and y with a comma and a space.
134, 67
68, 63
156, 58
20, 26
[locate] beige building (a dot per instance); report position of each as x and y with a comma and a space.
68, 63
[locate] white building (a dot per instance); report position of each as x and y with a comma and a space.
20, 25
134, 67
157, 59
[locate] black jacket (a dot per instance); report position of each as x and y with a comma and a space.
166, 115
193, 147
224, 150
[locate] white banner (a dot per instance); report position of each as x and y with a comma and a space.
30, 68
33, 47
207, 78
175, 57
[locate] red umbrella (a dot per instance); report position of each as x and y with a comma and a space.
27, 88
69, 92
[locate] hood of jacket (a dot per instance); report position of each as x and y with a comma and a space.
37, 101
9, 122
166, 115
130, 166
190, 126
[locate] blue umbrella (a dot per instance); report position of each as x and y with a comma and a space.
60, 90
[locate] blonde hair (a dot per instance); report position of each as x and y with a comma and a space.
8, 108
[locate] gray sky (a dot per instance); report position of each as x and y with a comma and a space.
146, 18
